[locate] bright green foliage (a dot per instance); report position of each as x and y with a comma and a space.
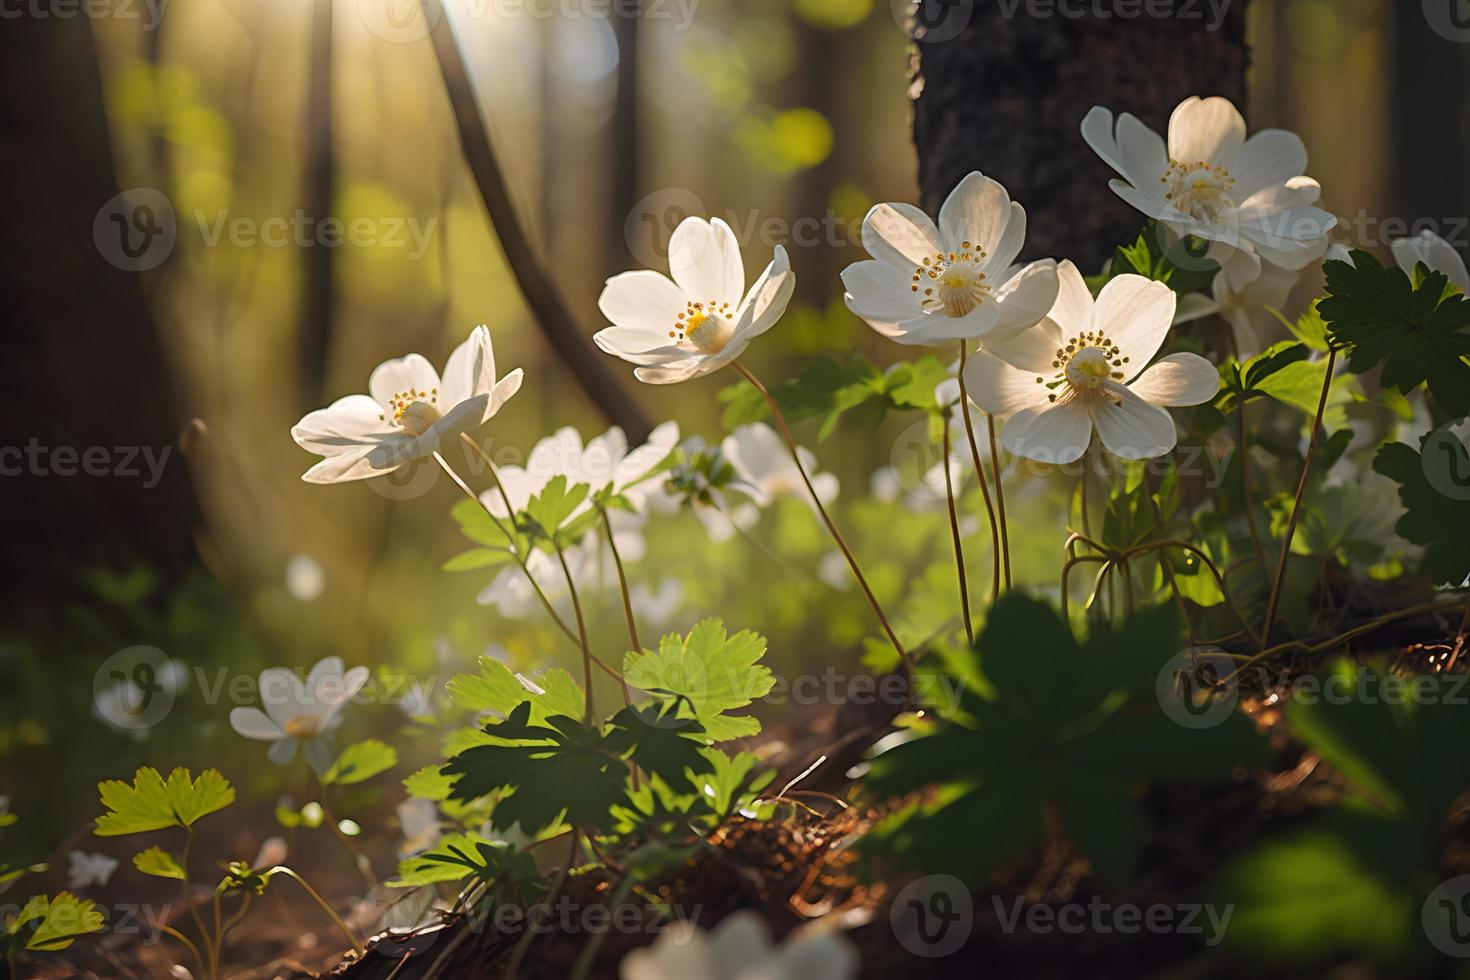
1073, 724
549, 510
159, 863
360, 761
827, 389
510, 875
655, 809
714, 673
1435, 519
1284, 372
1181, 266
151, 803
498, 689
428, 783
564, 767
1417, 335
1357, 878
51, 924
475, 524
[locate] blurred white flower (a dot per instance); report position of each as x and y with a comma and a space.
1086, 367
85, 870
604, 462
272, 852
1434, 252
1247, 196
765, 471
657, 608
590, 561
1245, 306
931, 285
833, 570
304, 578
700, 480
740, 948
411, 413
698, 323
300, 712
123, 704
419, 821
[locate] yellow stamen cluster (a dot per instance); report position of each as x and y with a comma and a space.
700, 323
1200, 190
1085, 364
403, 400
952, 282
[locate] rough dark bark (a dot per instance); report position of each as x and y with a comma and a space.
1006, 95
86, 369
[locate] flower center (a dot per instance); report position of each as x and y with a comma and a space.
1199, 190
415, 410
1085, 367
708, 326
303, 726
952, 282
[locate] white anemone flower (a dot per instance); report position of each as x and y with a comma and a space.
1248, 196
740, 948
604, 462
698, 322
1246, 307
300, 712
411, 413
1085, 367
85, 870
930, 285
590, 561
1434, 252
765, 470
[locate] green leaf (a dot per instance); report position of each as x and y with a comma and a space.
150, 803
1182, 266
53, 924
1437, 517
498, 689
428, 783
549, 510
441, 863
159, 863
477, 525
360, 761
716, 673
1417, 335
478, 558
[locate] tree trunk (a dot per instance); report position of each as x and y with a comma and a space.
1005, 95
86, 368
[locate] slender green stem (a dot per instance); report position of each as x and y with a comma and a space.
954, 531
1247, 498
995, 545
171, 931
518, 955
336, 919
189, 900
852, 563
234, 920
1296, 507
515, 552
1204, 559
612, 545
591, 711
1000, 498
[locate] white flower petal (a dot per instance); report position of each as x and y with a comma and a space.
282, 751
1052, 434
1097, 132
976, 211
768, 297
348, 423
470, 369
1132, 428
253, 723
1268, 159
1000, 388
643, 300
1179, 379
1206, 131
881, 295
1072, 310
1435, 253
900, 235
1027, 297
1033, 350
401, 374
1145, 156
1135, 314
704, 259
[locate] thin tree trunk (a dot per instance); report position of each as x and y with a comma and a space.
1430, 75
1006, 96
315, 331
625, 140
